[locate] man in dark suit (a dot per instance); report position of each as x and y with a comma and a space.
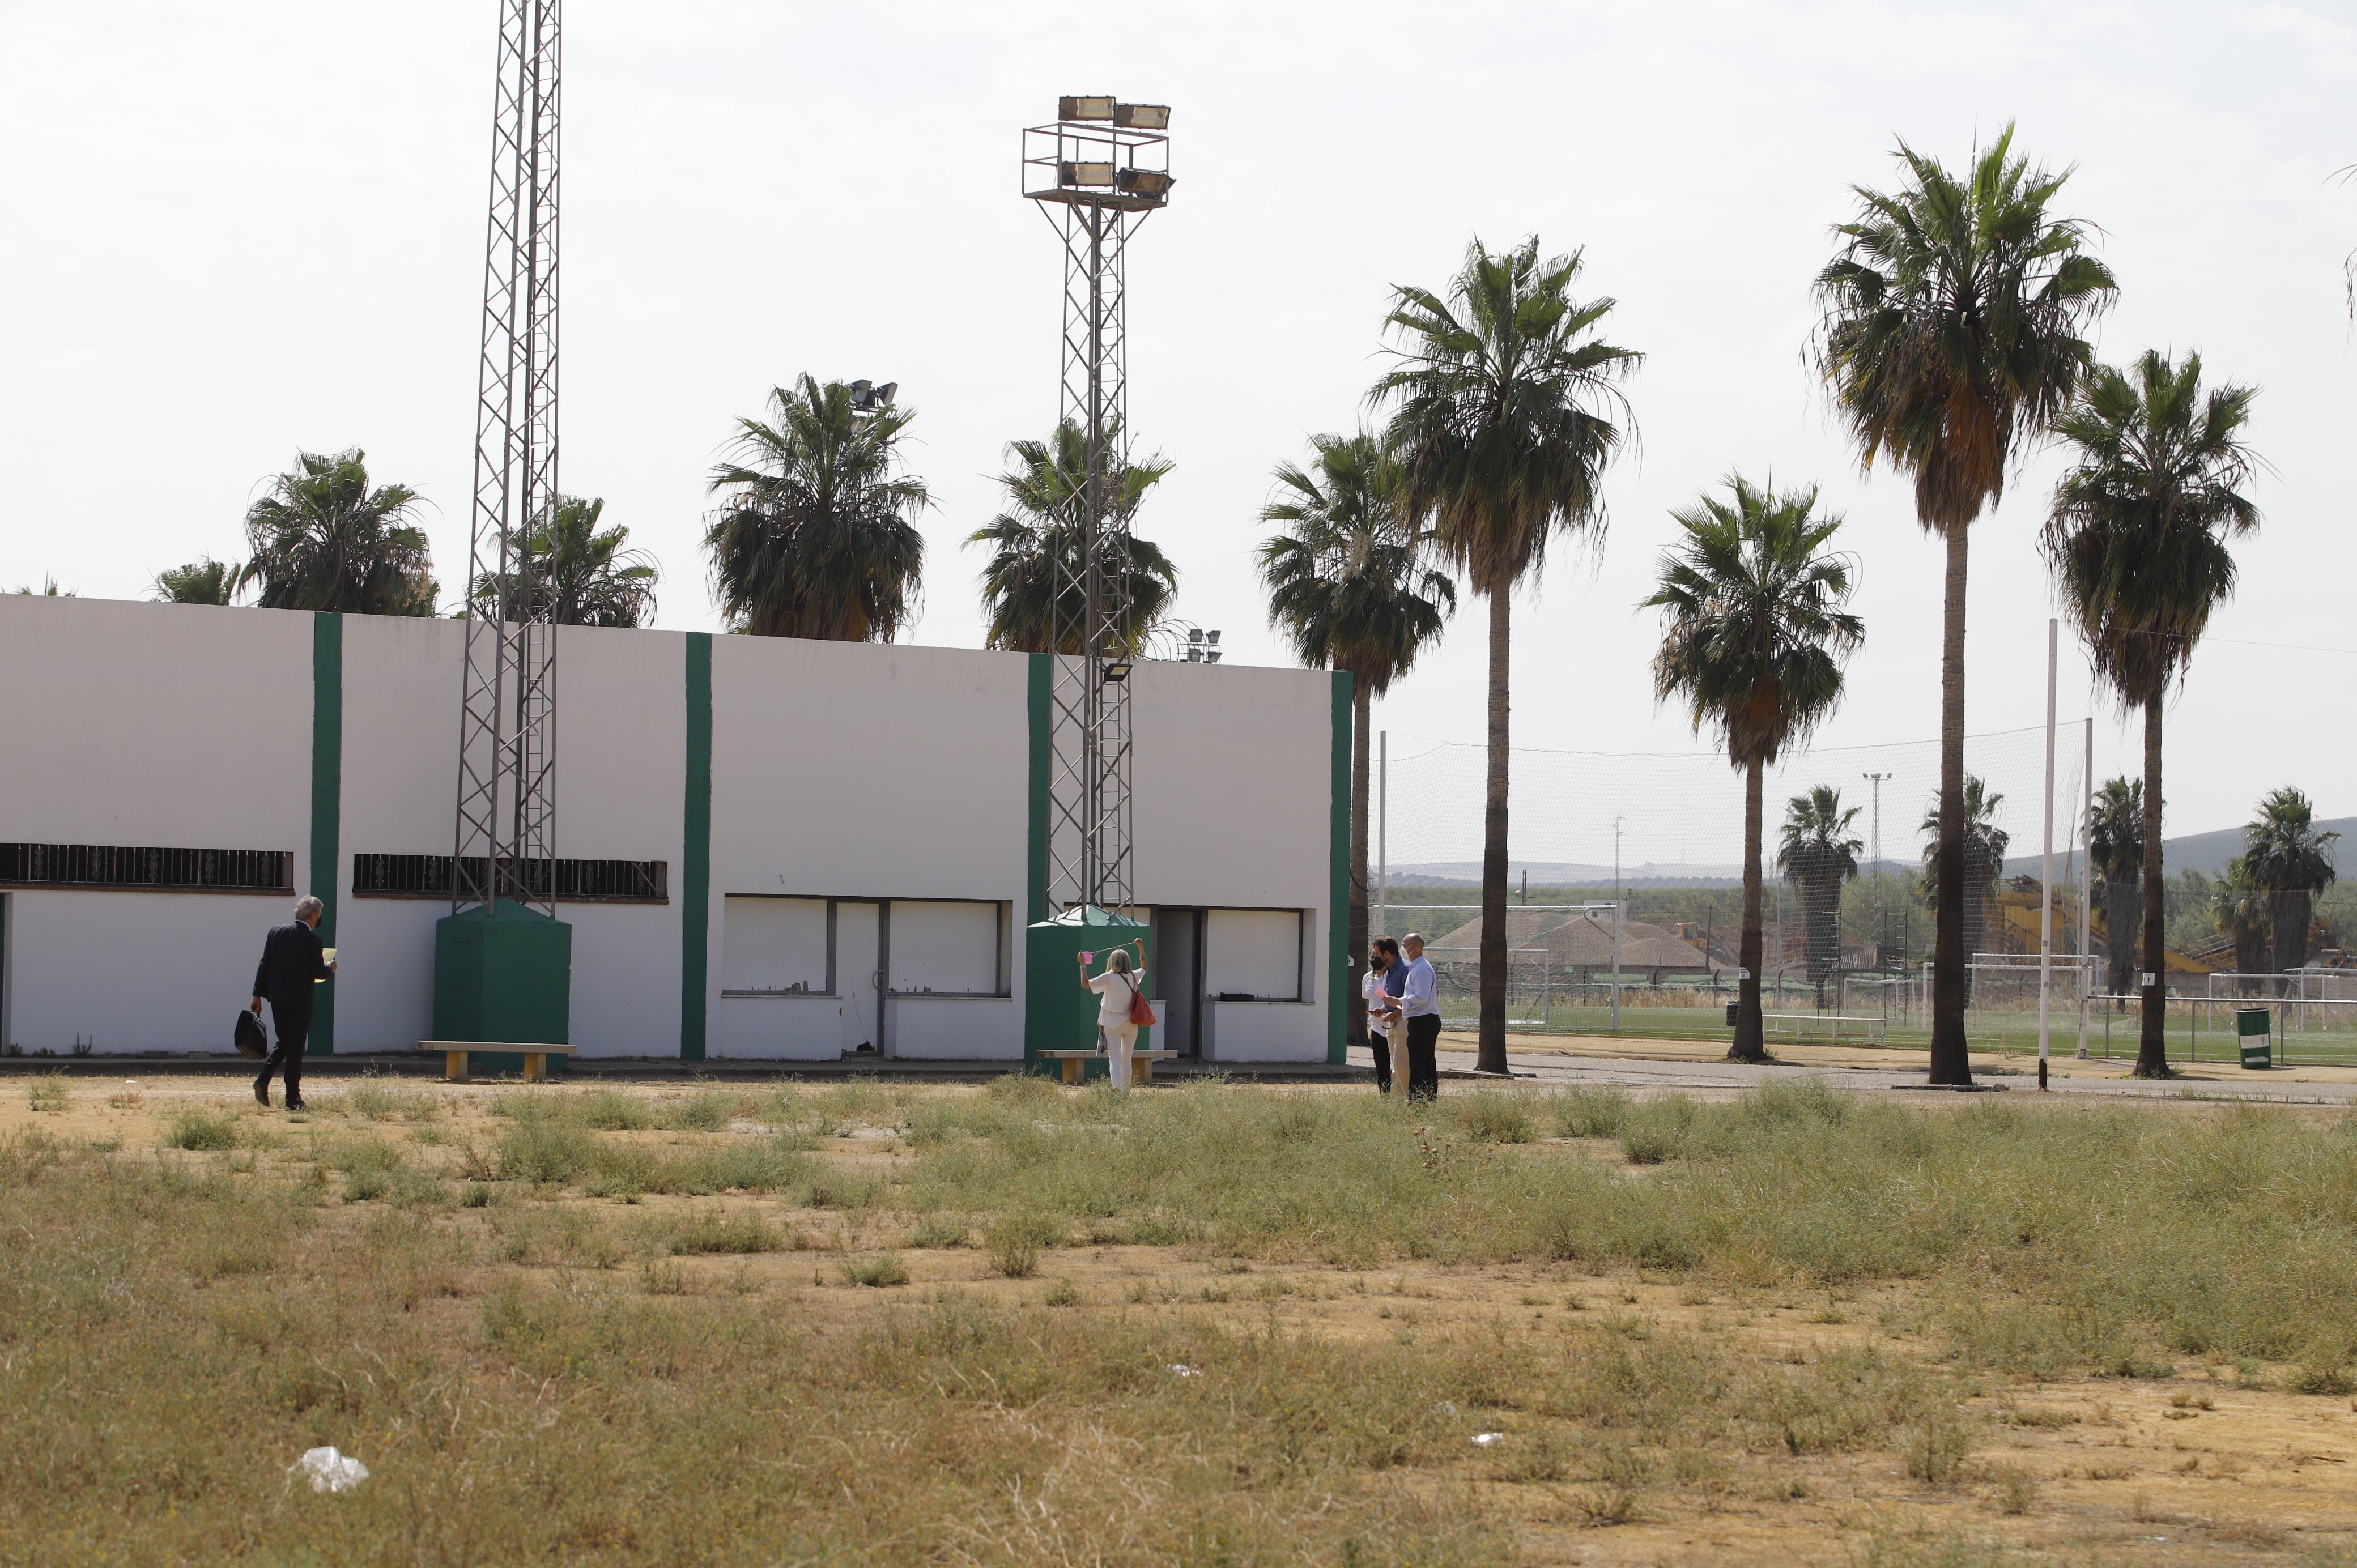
294, 961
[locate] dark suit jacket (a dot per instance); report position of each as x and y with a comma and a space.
292, 957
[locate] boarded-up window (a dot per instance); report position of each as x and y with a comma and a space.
946, 948
1252, 952
773, 946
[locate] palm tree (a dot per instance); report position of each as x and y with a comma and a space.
322, 539
2116, 850
581, 576
1347, 583
1983, 859
1037, 544
813, 537
1952, 336
2137, 538
203, 581
1818, 855
1506, 403
2239, 905
1753, 639
2291, 863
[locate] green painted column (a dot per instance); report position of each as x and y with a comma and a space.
1338, 985
1041, 730
695, 854
327, 802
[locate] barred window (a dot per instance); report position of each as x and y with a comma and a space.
128, 869
577, 881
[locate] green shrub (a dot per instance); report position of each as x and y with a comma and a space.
884, 1269
47, 1093
1013, 1242
714, 1231
1494, 1116
1582, 1112
939, 1229
201, 1129
537, 1149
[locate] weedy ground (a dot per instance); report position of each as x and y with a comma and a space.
884, 1323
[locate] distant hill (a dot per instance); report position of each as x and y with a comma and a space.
2205, 853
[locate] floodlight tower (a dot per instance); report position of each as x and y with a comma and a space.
1097, 173
507, 794
502, 960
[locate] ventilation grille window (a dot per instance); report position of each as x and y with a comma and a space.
123, 869
577, 881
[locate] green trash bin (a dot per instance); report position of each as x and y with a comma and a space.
2256, 1036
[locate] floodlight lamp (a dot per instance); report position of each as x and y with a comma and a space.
1116, 670
1070, 173
1150, 183
1085, 108
1194, 635
1212, 637
1142, 116
1213, 657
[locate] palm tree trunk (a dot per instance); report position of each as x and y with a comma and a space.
1362, 706
2287, 918
2152, 1042
1952, 1060
1750, 1032
1491, 1055
2122, 913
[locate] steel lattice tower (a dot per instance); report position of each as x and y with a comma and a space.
506, 839
1097, 173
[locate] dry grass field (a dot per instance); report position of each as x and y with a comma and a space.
882, 1323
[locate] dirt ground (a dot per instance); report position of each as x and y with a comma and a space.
2192, 1469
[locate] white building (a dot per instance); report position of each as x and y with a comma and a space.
784, 849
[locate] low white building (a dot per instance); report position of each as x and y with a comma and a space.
771, 848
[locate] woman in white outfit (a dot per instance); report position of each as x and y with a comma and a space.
1117, 984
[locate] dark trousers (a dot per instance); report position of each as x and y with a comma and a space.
1423, 1063
294, 1031
1382, 1046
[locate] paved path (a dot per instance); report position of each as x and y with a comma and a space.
1674, 1074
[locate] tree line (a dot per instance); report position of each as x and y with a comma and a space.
813, 534
1953, 338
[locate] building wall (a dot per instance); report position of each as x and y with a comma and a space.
837, 771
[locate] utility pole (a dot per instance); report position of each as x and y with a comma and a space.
2046, 869
1382, 832
2086, 888
1619, 897
1874, 887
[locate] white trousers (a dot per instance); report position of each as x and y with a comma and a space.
1120, 1040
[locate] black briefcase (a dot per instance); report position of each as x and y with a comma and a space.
251, 1041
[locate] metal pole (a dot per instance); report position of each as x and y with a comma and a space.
2046, 869
1874, 887
2086, 888
1615, 925
1383, 831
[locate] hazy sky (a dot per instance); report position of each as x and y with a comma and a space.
239, 229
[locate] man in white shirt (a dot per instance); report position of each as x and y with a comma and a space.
1383, 1010
1420, 1008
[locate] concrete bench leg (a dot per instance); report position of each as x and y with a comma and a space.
1141, 1070
454, 1067
535, 1066
1072, 1069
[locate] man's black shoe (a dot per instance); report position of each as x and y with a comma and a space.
261, 1096
296, 1105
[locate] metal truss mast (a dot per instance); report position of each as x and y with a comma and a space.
506, 837
1097, 173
